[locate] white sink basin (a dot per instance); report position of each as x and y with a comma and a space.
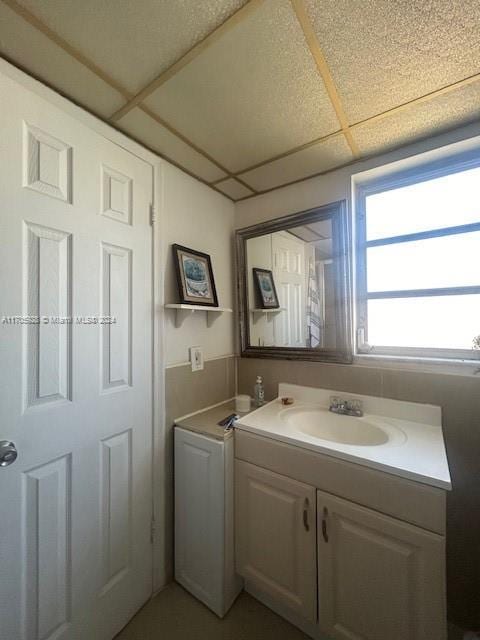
402, 438
368, 431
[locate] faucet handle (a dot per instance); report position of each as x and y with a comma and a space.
355, 406
335, 402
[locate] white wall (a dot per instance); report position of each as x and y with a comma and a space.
337, 185
197, 217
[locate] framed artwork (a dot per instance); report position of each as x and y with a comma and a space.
196, 284
267, 294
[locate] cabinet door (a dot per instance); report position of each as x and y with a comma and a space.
378, 577
276, 537
200, 516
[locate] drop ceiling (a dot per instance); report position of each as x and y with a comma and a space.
250, 96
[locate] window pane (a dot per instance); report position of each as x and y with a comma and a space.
448, 261
443, 202
448, 322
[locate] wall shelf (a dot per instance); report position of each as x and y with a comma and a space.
268, 313
182, 311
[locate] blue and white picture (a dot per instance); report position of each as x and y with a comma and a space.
195, 272
266, 291
194, 276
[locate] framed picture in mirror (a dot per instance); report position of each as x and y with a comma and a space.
265, 287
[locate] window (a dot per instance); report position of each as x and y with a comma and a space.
418, 264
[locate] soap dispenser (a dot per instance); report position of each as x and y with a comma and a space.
259, 392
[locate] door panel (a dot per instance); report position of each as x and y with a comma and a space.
275, 537
75, 395
47, 505
116, 301
291, 282
47, 288
378, 577
116, 519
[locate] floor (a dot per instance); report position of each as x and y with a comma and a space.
175, 615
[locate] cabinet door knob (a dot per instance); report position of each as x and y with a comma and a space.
324, 524
306, 505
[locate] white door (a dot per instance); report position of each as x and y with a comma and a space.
275, 538
75, 552
378, 577
291, 282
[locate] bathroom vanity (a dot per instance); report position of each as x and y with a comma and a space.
340, 520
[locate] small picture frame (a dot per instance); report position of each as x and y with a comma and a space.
196, 284
265, 286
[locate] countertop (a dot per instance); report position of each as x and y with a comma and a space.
206, 422
421, 456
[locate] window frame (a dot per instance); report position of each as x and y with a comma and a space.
395, 180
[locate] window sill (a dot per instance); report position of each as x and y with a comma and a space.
428, 365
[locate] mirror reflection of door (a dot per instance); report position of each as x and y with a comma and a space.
301, 260
289, 272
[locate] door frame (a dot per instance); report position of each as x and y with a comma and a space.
159, 576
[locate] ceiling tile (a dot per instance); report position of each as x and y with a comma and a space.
234, 189
28, 48
382, 54
144, 129
421, 120
253, 94
320, 157
322, 227
133, 41
304, 233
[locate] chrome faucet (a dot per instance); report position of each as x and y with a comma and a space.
346, 407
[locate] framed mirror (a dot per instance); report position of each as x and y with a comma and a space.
294, 286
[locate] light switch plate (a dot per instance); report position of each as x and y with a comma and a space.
196, 358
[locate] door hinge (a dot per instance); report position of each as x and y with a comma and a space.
152, 530
153, 214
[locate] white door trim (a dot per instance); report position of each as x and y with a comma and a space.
159, 246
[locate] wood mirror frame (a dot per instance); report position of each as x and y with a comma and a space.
337, 213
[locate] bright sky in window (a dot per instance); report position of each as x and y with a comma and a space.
448, 261
444, 202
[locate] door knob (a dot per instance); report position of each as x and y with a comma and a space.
8, 453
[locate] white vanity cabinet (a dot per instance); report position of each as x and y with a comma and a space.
276, 537
377, 552
378, 577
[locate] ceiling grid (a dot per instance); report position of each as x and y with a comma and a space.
371, 117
